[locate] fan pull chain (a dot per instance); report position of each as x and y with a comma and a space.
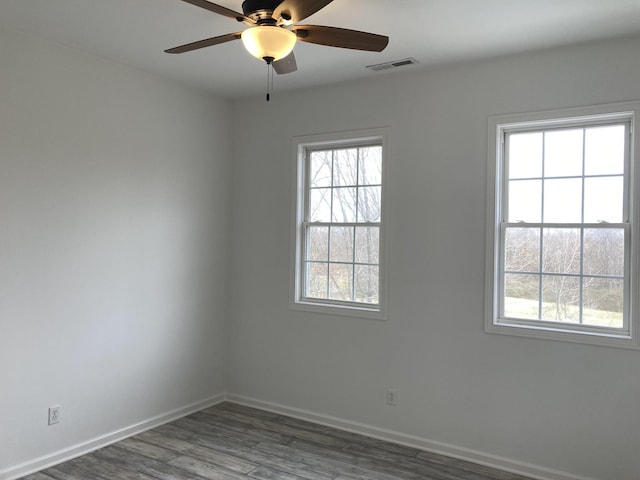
268, 82
269, 61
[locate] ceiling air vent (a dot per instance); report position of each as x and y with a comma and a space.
395, 64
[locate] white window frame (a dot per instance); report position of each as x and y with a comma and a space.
301, 145
499, 126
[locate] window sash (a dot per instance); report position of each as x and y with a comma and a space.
354, 263
501, 283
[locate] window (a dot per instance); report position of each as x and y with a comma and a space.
563, 237
338, 264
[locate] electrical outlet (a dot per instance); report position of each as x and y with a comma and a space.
54, 415
392, 397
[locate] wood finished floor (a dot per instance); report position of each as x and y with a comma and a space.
233, 442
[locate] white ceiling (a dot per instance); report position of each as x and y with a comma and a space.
136, 32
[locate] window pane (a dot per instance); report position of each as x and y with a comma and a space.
341, 244
320, 205
563, 201
340, 281
341, 197
369, 204
563, 153
366, 284
603, 302
320, 170
522, 249
345, 167
525, 155
370, 168
318, 244
560, 298
344, 205
525, 201
604, 251
603, 199
316, 284
367, 244
521, 296
604, 153
561, 250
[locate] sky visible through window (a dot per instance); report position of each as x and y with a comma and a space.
555, 163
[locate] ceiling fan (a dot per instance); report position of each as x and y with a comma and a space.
273, 31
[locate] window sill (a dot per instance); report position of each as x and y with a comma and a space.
375, 313
613, 339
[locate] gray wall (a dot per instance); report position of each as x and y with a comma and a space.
562, 406
114, 211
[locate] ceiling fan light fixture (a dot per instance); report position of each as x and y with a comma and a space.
268, 41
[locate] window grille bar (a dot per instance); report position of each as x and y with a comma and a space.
541, 233
557, 274
586, 226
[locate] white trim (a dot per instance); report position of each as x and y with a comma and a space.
299, 145
433, 446
421, 443
497, 125
37, 464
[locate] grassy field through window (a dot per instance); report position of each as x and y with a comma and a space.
521, 308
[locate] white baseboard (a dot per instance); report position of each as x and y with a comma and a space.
55, 458
482, 458
461, 453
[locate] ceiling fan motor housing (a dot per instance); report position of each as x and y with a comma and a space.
253, 6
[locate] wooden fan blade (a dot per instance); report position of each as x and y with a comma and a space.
207, 42
341, 37
296, 10
286, 65
212, 7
